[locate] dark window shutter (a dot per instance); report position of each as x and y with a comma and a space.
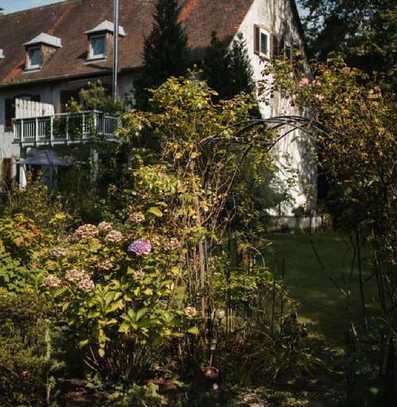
281, 46
256, 39
9, 112
275, 46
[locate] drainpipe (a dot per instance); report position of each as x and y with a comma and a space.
115, 48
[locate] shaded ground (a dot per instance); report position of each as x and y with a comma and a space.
317, 272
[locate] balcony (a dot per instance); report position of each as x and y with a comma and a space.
65, 129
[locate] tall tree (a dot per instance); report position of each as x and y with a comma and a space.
364, 31
240, 68
228, 69
165, 51
216, 66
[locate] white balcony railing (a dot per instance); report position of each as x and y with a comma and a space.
65, 128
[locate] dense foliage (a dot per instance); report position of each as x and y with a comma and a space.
364, 31
356, 138
227, 67
160, 295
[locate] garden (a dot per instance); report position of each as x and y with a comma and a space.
160, 283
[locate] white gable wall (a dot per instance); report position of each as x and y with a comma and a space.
292, 152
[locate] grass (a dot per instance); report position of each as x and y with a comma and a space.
329, 294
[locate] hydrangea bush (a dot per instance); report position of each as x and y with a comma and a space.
116, 288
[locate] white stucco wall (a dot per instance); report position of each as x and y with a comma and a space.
292, 152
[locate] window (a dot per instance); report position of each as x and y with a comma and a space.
262, 42
35, 58
288, 51
264, 49
97, 47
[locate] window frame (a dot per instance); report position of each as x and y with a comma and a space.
29, 51
268, 42
258, 32
91, 55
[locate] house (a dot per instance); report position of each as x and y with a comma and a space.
48, 54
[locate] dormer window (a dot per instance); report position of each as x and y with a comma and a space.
97, 47
40, 49
35, 58
100, 40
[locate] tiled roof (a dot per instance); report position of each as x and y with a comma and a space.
47, 39
106, 26
71, 19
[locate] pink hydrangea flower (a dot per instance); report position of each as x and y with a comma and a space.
52, 281
80, 278
74, 275
86, 231
105, 227
57, 252
114, 236
105, 265
136, 217
86, 284
304, 82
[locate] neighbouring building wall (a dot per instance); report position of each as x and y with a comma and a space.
54, 94
293, 153
8, 150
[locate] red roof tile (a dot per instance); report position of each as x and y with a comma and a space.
70, 19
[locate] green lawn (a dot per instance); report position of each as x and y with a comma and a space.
314, 283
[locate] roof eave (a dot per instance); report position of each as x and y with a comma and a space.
62, 78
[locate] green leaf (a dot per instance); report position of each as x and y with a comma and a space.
124, 328
83, 343
194, 330
148, 291
154, 210
140, 313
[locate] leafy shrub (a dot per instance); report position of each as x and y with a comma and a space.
24, 363
130, 395
13, 276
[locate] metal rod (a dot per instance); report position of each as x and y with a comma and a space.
115, 47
